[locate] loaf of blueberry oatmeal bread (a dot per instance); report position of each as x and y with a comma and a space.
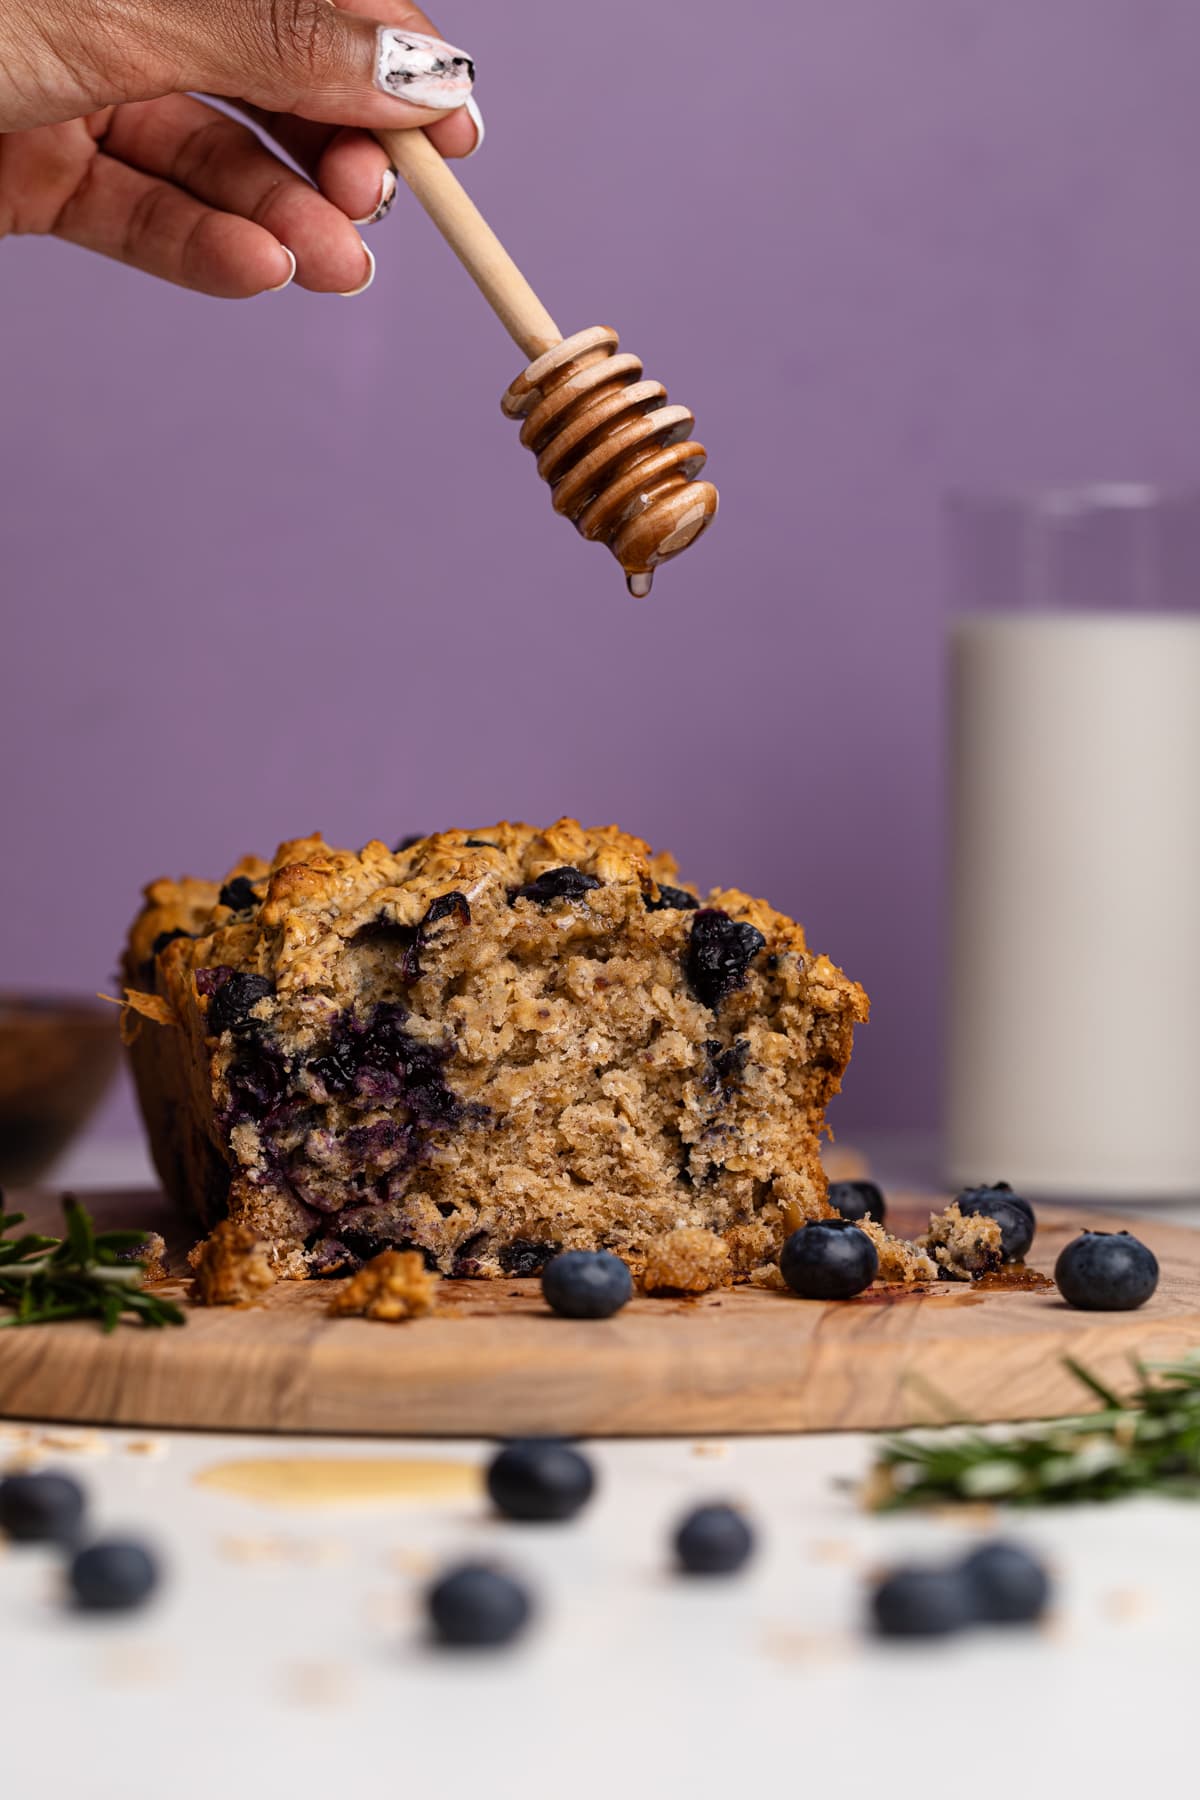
486, 1045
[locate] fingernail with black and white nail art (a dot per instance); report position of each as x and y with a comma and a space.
383, 206
423, 70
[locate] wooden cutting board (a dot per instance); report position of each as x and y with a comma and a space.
495, 1362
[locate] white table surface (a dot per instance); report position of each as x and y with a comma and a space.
285, 1654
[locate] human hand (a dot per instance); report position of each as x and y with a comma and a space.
102, 144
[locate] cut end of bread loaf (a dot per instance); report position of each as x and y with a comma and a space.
486, 1046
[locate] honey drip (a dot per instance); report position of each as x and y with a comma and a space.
620, 460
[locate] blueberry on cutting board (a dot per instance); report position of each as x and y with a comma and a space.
829, 1259
541, 1479
856, 1200
1012, 1213
586, 1284
1106, 1271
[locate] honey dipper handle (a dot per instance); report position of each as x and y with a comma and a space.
473, 241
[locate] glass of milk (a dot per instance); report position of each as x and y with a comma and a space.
1074, 1028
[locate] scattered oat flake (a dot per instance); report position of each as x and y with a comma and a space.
318, 1553
1122, 1606
316, 1683
75, 1443
835, 1550
148, 1447
976, 1515
136, 1665
710, 1449
785, 1645
252, 1549
411, 1562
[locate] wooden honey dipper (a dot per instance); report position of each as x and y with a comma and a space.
620, 461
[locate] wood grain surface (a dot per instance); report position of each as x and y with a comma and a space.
495, 1361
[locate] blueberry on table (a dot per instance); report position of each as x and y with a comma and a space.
474, 1607
540, 1478
1103, 1271
713, 1540
829, 1259
41, 1508
922, 1603
1012, 1213
1010, 1587
856, 1200
113, 1575
587, 1284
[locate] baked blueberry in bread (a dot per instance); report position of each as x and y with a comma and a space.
488, 1046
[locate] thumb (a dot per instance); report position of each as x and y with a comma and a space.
312, 58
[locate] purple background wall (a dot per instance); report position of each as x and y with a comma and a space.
282, 566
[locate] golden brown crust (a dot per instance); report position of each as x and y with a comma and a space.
588, 1097
393, 1285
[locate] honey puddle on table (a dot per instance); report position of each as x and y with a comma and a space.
342, 1480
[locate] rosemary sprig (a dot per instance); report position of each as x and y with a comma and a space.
87, 1274
1147, 1442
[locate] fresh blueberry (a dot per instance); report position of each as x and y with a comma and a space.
856, 1200
921, 1602
673, 899
720, 951
41, 1508
231, 1002
1010, 1586
1013, 1215
587, 1284
476, 1607
238, 894
556, 884
113, 1575
540, 1478
1103, 1271
829, 1259
713, 1540
1004, 1191
167, 937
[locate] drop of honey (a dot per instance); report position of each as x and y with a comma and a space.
639, 582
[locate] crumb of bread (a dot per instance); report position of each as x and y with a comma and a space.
231, 1265
688, 1260
153, 1257
393, 1285
899, 1261
963, 1247
767, 1275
